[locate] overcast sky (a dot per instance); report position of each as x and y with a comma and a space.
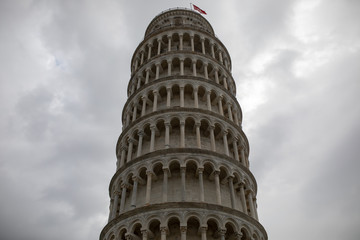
64, 68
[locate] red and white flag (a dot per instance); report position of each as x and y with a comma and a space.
199, 9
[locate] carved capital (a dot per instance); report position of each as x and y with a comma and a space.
163, 230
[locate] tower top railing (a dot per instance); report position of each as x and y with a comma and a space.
179, 9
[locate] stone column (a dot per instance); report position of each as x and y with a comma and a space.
169, 67
208, 100
123, 153
232, 193
127, 119
194, 67
182, 67
132, 87
198, 137
202, 45
201, 184
217, 186
183, 191
203, 233
196, 97
144, 234
139, 149
220, 57
152, 138
138, 82
182, 134
169, 43
111, 207
147, 75
134, 112
192, 43
157, 70
149, 53
221, 110
159, 46
225, 83
212, 50
167, 134
236, 118
155, 93
181, 41
235, 147
222, 234
148, 187
238, 235
168, 97
130, 149
229, 111
255, 209
143, 109
212, 138
165, 185
226, 146
163, 232
115, 206
251, 204
134, 192
183, 232
142, 57
243, 159
182, 96
136, 62
242, 198
217, 76
123, 196
206, 71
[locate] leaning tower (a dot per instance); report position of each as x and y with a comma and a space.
182, 157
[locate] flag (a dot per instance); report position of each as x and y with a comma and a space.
199, 9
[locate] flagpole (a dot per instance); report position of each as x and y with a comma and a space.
190, 6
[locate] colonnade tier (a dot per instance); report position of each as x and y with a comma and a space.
182, 176
181, 128
181, 64
183, 221
185, 92
182, 157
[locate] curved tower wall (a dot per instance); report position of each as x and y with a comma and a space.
182, 157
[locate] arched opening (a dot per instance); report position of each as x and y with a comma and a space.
162, 95
209, 184
154, 228
174, 229
190, 134
230, 232
137, 231
174, 186
122, 234
188, 96
192, 231
205, 134
186, 42
156, 187
213, 230
192, 186
175, 133
160, 135
146, 139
